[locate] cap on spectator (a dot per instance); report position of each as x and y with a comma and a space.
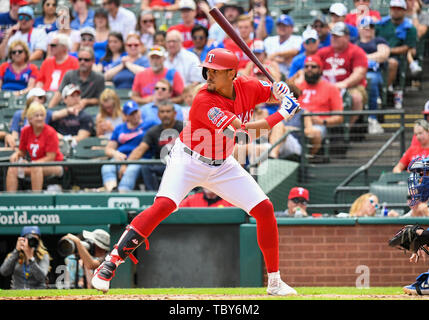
258, 46
366, 22
299, 192
340, 29
88, 30
27, 10
156, 51
309, 34
18, 2
187, 4
30, 230
338, 9
426, 108
69, 89
320, 18
36, 92
231, 3
315, 59
129, 107
285, 19
398, 4
100, 237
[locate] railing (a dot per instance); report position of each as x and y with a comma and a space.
72, 163
343, 185
347, 128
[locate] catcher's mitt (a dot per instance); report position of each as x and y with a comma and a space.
408, 239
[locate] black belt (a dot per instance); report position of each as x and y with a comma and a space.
203, 159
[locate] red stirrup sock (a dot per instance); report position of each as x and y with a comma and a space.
267, 234
147, 220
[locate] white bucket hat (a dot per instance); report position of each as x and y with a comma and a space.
100, 237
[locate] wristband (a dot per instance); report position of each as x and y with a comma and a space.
273, 119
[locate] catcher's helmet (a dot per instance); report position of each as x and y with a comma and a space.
219, 59
418, 182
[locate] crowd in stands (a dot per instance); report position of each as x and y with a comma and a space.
77, 55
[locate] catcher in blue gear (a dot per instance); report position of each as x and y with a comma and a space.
413, 237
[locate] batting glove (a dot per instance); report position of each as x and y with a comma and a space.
289, 106
280, 90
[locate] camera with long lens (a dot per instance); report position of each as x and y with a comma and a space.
33, 241
67, 247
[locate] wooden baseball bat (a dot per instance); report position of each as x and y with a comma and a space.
229, 30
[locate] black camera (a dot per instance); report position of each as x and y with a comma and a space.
67, 247
33, 241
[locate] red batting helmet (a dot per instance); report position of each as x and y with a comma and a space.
219, 59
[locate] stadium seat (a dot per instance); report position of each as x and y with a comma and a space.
4, 98
17, 101
391, 187
6, 115
90, 148
87, 176
124, 94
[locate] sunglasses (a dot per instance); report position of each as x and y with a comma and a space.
311, 66
17, 52
148, 21
87, 38
308, 41
376, 206
161, 88
24, 17
299, 200
133, 45
50, 5
84, 59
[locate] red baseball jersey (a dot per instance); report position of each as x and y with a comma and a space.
38, 146
211, 113
339, 66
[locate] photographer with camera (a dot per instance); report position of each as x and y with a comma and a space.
89, 252
29, 262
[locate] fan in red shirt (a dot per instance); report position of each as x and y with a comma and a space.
205, 199
345, 65
54, 68
40, 142
188, 12
318, 95
421, 149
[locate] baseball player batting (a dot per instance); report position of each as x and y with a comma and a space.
202, 156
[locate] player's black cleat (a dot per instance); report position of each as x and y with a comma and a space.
128, 242
102, 276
